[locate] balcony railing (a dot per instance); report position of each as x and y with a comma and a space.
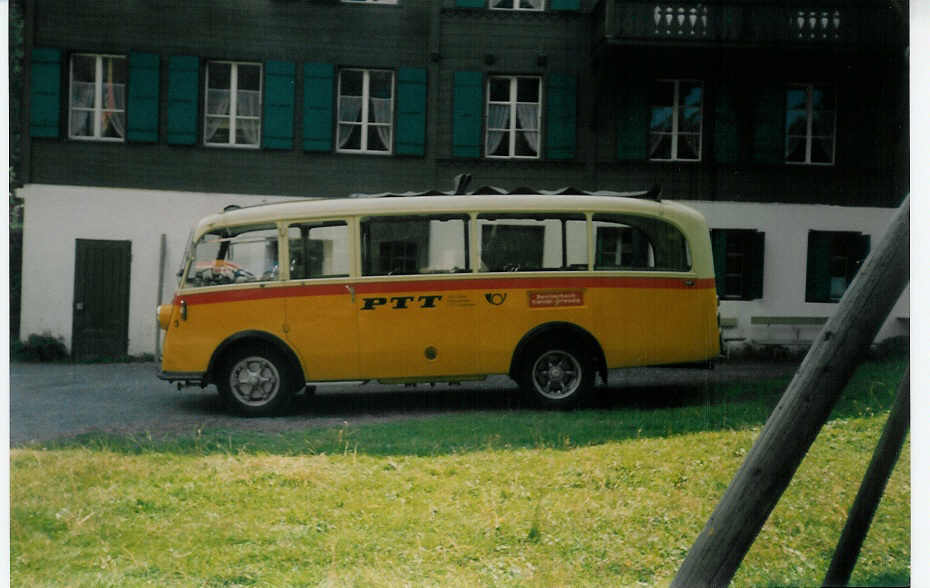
747, 23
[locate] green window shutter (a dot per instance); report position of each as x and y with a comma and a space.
319, 87
468, 106
560, 116
278, 107
755, 260
565, 5
470, 3
819, 245
768, 139
633, 121
411, 111
718, 243
183, 94
726, 127
45, 93
142, 104
861, 246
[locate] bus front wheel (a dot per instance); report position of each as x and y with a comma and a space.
256, 381
557, 374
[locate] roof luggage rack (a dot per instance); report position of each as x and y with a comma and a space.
461, 189
461, 182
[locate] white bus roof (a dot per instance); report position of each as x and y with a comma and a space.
309, 208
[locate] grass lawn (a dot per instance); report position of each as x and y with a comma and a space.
597, 497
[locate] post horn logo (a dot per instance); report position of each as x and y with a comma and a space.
495, 298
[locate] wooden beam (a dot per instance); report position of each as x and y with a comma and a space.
873, 486
801, 412
162, 250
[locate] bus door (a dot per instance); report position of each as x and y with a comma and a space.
321, 318
659, 309
413, 319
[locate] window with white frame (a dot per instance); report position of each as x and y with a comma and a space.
517, 4
366, 111
676, 119
233, 104
98, 97
513, 116
810, 124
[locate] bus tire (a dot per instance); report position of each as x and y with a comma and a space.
557, 374
256, 380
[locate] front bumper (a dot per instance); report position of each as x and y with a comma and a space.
186, 378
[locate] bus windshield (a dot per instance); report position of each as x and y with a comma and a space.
234, 256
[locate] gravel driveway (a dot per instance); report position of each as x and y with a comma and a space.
49, 401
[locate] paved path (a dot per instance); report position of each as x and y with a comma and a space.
49, 401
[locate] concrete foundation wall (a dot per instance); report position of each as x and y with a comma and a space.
58, 215
786, 227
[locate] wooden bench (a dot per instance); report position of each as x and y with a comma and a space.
728, 324
796, 323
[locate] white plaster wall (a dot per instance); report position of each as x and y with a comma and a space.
58, 215
55, 216
784, 280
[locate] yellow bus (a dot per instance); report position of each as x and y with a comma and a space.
549, 289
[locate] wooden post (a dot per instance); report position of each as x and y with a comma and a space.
801, 412
158, 294
873, 486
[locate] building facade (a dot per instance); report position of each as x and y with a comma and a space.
785, 123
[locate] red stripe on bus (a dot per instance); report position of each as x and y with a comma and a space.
262, 293
534, 283
442, 285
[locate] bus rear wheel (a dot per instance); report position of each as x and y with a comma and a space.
256, 381
557, 374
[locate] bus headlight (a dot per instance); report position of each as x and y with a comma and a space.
163, 314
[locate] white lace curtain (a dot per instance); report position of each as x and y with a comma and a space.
498, 122
248, 113
114, 109
83, 105
499, 125
350, 111
380, 110
82, 108
528, 117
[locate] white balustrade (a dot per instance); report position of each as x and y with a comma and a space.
816, 25
677, 20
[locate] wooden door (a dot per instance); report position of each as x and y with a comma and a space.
101, 299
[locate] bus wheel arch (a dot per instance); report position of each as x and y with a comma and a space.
266, 361
556, 364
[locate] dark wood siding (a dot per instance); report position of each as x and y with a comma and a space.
439, 39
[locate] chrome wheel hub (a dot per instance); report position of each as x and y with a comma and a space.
556, 375
254, 381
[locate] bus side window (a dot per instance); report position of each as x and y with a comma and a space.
318, 250
532, 242
629, 242
416, 244
619, 246
234, 256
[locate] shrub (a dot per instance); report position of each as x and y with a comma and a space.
44, 347
891, 347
